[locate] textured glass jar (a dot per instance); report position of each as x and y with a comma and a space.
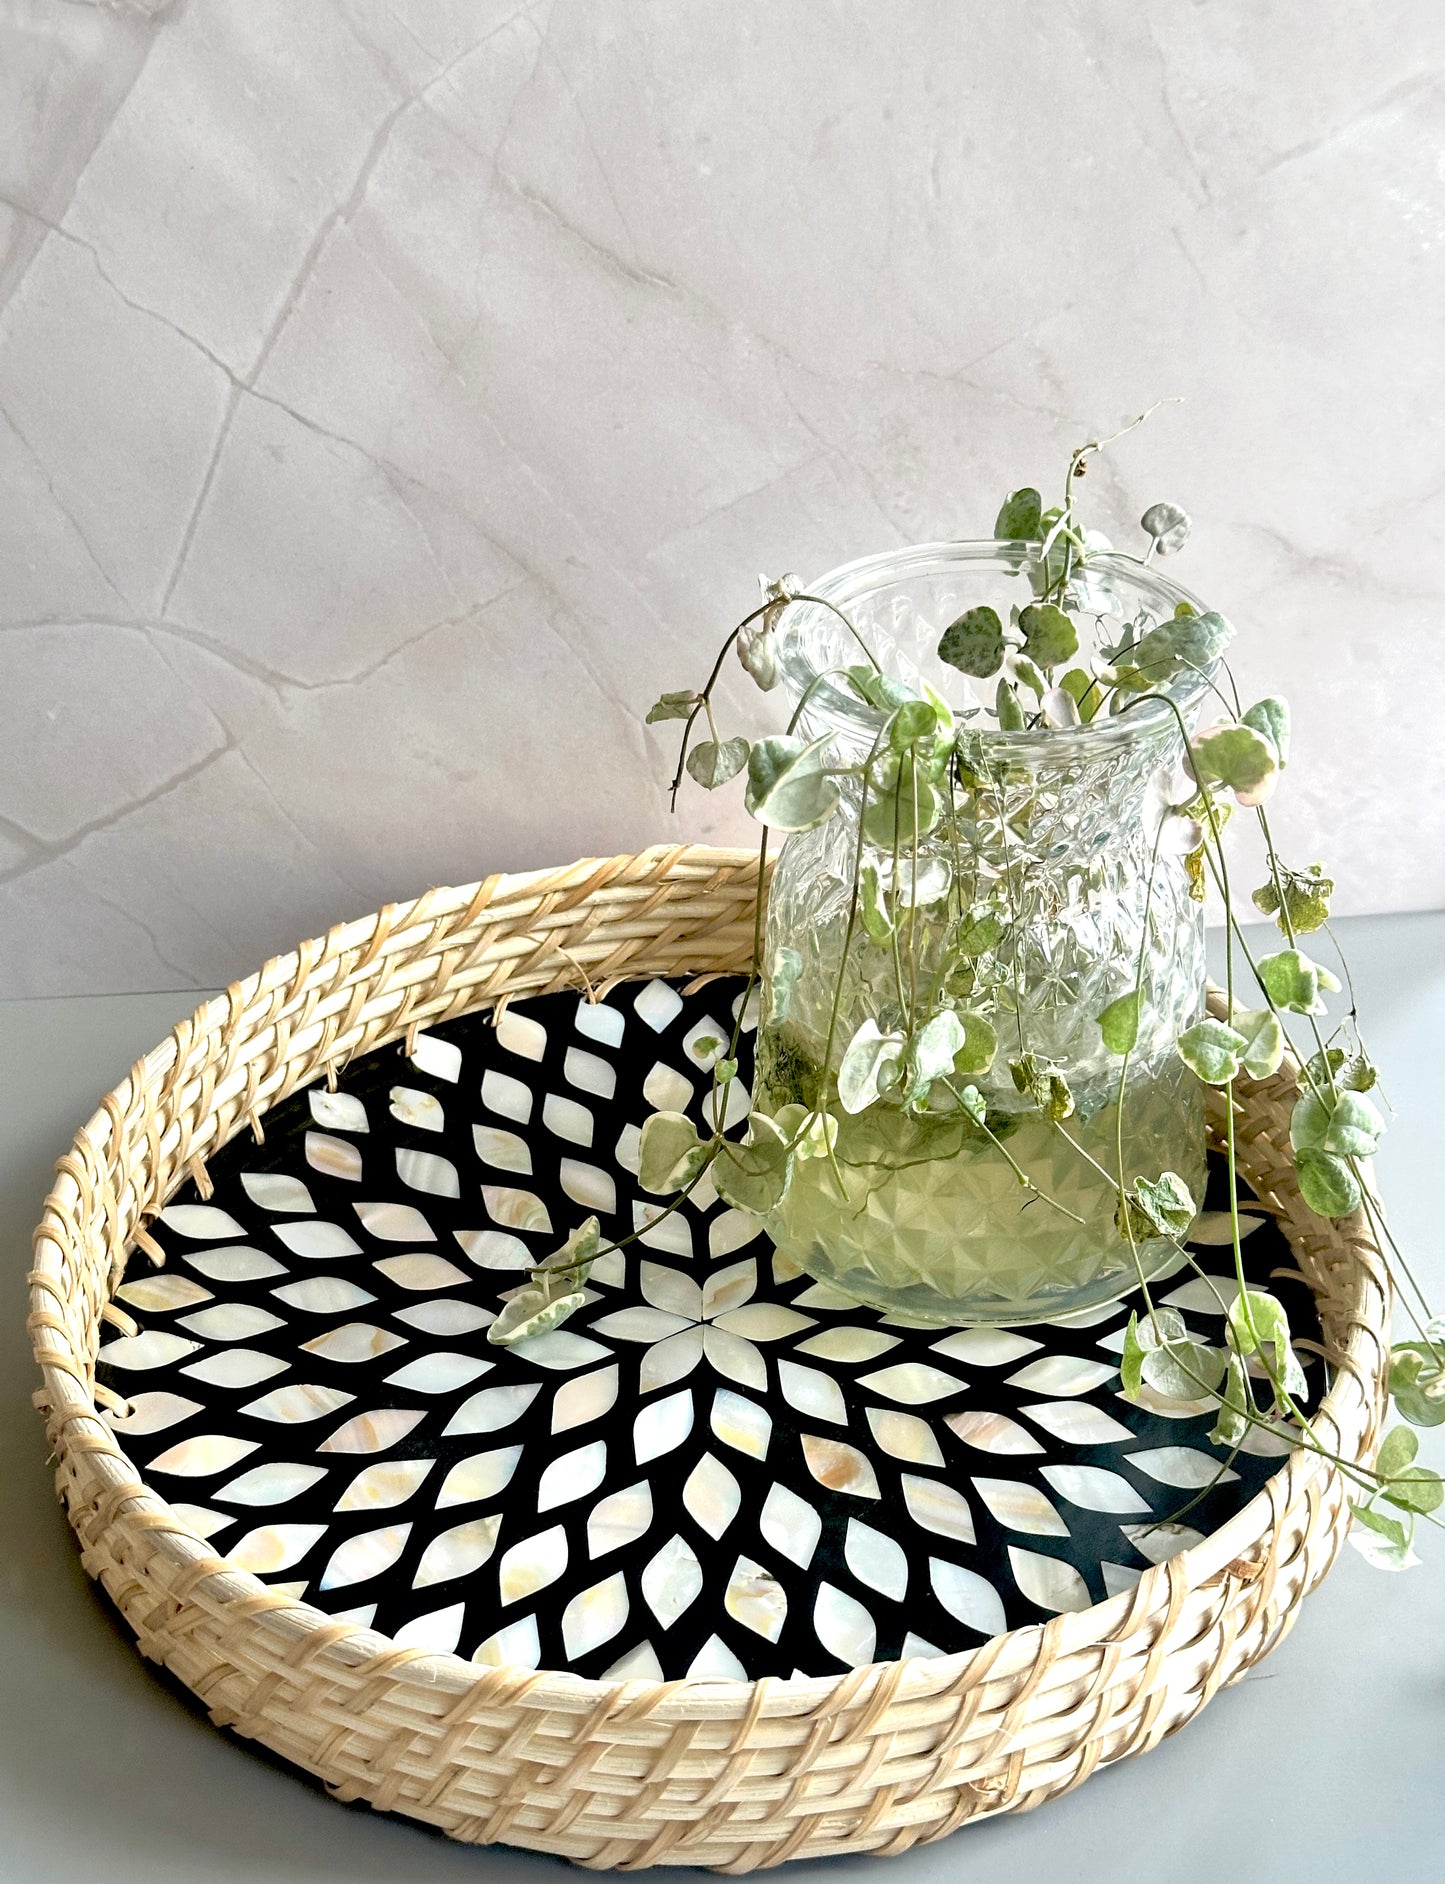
1054, 845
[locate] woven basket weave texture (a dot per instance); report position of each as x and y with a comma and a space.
724, 1774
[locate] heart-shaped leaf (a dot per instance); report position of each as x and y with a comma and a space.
1417, 1383
1238, 756
901, 811
931, 1050
757, 650
871, 1066
1212, 1050
1264, 1040
1049, 635
671, 1154
787, 965
974, 643
1119, 1022
1168, 525
1327, 1183
672, 706
1292, 981
752, 1176
714, 764
1018, 520
1271, 717
1304, 905
788, 787
1007, 706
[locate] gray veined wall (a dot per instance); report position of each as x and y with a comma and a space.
393, 398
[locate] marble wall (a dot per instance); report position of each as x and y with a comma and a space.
392, 397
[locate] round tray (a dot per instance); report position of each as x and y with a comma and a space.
625, 1768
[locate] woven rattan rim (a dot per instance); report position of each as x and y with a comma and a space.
732, 1775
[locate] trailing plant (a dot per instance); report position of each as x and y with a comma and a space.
949, 938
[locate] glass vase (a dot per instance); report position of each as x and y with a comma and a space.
1052, 884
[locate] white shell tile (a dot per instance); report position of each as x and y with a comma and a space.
532, 1564
509, 1098
567, 1118
205, 1222
985, 1347
844, 1626
153, 1413
715, 1661
438, 1633
968, 1597
141, 1352
203, 1455
848, 1344
491, 1409
712, 1495
919, 1646
840, 1467
904, 1436
755, 1598
620, 1518
323, 1295
159, 1295
494, 1249
419, 1270
421, 1111
741, 1423
361, 1558
1077, 1423
662, 1426
373, 1432
572, 1476
439, 1372
353, 1341
599, 1021
235, 1367
658, 1005
762, 1321
1094, 1488
1060, 1375
202, 1520
588, 1185
516, 1209
274, 1190
317, 1241
444, 1316
1020, 1506
337, 1111
296, 1404
239, 1264
502, 1150
515, 1646
231, 1321
939, 1508
458, 1552
790, 1525
333, 1157
382, 1486
439, 1059
1160, 1542
481, 1476
735, 1359
522, 1035
275, 1483
560, 1350
667, 1090
595, 1616
588, 1072
428, 1171
672, 1581
395, 1223
991, 1432
876, 1559
578, 1402
274, 1547
815, 1395
914, 1383
1183, 1466
1048, 1581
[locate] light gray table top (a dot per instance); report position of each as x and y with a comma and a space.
1329, 1757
